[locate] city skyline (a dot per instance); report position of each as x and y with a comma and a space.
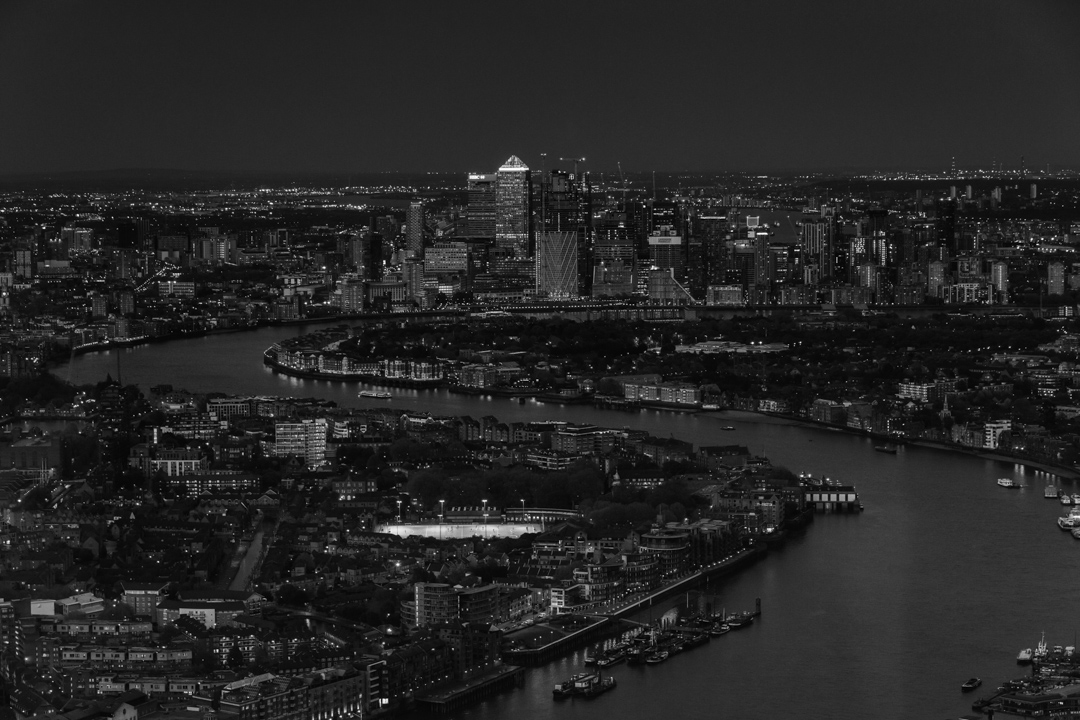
346, 88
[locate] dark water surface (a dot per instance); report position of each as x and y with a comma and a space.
877, 615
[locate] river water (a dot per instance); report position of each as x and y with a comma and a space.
878, 615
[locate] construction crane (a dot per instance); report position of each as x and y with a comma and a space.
573, 160
622, 181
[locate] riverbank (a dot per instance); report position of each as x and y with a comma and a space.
1067, 472
209, 332
521, 395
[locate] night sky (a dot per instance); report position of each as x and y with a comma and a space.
312, 86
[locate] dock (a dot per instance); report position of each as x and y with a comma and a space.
718, 569
454, 697
542, 642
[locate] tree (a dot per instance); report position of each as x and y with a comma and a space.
236, 657
289, 594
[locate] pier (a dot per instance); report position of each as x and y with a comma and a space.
454, 697
542, 642
621, 608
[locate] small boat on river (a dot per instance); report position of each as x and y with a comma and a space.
886, 448
657, 657
971, 684
593, 686
1009, 483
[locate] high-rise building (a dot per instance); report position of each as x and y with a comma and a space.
412, 274
1055, 278
667, 251
512, 189
999, 277
304, 438
712, 231
564, 201
557, 264
935, 278
480, 220
414, 229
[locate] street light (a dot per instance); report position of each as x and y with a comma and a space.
399, 510
442, 516
522, 509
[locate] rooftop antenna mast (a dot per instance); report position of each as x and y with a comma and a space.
543, 180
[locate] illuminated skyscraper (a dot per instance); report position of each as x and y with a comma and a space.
564, 202
557, 264
667, 251
481, 216
1055, 278
512, 189
414, 229
999, 277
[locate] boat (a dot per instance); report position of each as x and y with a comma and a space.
1070, 521
739, 620
1009, 483
971, 684
1076, 499
694, 640
729, 428
1050, 493
657, 657
1041, 650
596, 686
374, 394
1076, 533
1065, 499
568, 688
719, 629
890, 449
1024, 656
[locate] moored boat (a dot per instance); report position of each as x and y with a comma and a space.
1050, 493
374, 394
596, 686
1065, 499
719, 629
1041, 650
1068, 522
740, 620
565, 689
1076, 498
657, 657
1024, 656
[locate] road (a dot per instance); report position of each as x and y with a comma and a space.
243, 563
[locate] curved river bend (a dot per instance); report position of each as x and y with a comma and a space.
879, 615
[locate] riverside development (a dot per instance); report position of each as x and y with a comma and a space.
319, 470
820, 585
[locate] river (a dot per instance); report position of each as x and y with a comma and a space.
878, 615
